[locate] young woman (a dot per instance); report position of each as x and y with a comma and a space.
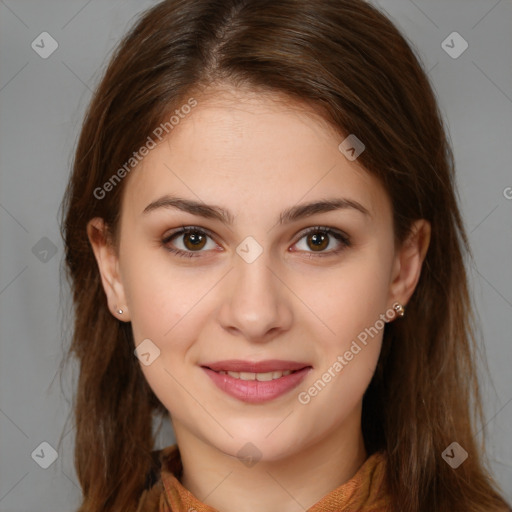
263, 242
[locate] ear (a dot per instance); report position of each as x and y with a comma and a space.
108, 264
408, 262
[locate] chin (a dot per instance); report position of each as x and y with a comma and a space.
258, 445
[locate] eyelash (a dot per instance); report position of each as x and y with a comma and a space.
339, 236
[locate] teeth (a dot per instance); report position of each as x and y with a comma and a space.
262, 377
267, 376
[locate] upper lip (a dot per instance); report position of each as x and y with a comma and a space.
270, 365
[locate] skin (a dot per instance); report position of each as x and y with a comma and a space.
257, 155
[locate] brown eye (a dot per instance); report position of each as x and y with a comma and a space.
189, 241
318, 241
194, 241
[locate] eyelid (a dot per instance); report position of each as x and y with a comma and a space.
186, 229
323, 229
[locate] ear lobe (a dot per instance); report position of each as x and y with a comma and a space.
108, 265
409, 261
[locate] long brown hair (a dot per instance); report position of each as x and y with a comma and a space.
350, 62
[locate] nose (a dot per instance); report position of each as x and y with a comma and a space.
256, 301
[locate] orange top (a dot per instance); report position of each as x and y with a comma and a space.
364, 492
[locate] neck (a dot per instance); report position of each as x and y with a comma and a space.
288, 484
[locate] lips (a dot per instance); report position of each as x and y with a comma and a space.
256, 382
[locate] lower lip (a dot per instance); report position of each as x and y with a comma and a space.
255, 391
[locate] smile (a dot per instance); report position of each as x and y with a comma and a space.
256, 382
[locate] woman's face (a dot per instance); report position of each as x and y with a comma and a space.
264, 277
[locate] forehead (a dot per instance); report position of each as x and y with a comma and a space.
251, 152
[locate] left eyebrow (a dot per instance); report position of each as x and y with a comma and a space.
307, 210
289, 215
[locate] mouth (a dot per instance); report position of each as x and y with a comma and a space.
256, 382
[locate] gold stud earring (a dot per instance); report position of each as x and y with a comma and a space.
399, 309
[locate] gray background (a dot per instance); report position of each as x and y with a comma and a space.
42, 102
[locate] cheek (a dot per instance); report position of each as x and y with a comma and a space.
351, 298
160, 295
165, 308
350, 303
